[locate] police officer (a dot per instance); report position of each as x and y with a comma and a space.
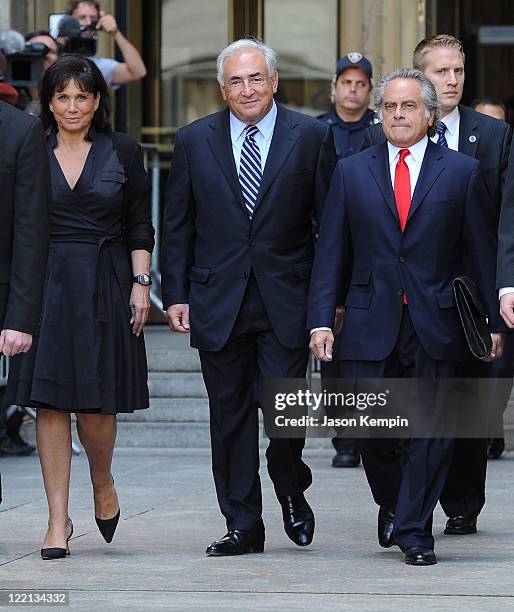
350, 94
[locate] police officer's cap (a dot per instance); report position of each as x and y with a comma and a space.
354, 60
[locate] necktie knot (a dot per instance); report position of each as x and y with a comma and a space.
403, 155
251, 131
441, 129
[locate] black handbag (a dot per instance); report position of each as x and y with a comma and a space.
473, 316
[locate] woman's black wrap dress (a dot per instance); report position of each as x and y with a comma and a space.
85, 358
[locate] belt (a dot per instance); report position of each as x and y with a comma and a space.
104, 265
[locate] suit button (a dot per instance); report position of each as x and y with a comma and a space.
400, 291
402, 259
251, 242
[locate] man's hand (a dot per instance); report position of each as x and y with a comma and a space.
497, 350
339, 319
321, 344
507, 309
107, 23
140, 307
13, 342
178, 318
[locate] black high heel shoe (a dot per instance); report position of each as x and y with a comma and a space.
55, 552
107, 527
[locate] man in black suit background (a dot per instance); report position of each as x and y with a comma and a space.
24, 227
441, 59
244, 188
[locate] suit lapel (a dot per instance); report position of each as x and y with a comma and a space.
379, 168
431, 168
469, 136
285, 135
221, 146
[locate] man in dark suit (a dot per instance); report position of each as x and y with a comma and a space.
401, 248
24, 227
441, 59
237, 252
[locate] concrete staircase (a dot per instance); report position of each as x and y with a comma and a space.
178, 416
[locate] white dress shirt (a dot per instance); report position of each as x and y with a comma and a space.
413, 161
452, 123
263, 137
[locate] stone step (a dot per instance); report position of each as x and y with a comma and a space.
172, 360
176, 384
171, 410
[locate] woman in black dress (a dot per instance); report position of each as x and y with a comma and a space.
89, 357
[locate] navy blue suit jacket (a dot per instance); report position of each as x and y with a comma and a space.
210, 245
450, 231
482, 137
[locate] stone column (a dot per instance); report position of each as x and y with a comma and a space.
385, 31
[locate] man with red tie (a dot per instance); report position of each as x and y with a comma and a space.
401, 221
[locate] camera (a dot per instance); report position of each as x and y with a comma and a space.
24, 62
76, 38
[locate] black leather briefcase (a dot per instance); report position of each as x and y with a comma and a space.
473, 316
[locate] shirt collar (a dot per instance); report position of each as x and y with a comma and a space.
451, 121
417, 151
266, 125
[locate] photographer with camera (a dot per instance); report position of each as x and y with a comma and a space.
7, 93
91, 17
41, 37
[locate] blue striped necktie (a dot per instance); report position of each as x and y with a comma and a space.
250, 171
441, 129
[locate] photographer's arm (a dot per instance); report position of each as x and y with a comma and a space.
133, 67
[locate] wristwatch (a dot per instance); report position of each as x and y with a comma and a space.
142, 279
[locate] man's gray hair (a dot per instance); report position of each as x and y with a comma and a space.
428, 93
244, 44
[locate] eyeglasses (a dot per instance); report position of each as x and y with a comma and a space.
253, 83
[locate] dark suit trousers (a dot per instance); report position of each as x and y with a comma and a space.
464, 492
234, 378
409, 477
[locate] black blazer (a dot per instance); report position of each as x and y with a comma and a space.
482, 137
505, 272
209, 243
24, 218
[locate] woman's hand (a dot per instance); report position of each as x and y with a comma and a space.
140, 307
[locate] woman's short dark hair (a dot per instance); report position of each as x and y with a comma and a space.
87, 76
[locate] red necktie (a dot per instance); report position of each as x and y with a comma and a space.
402, 187
402, 192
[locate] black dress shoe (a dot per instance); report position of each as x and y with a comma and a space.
17, 439
461, 525
348, 458
495, 448
419, 555
237, 542
298, 518
11, 449
385, 527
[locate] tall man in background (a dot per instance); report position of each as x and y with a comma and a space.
441, 59
237, 251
